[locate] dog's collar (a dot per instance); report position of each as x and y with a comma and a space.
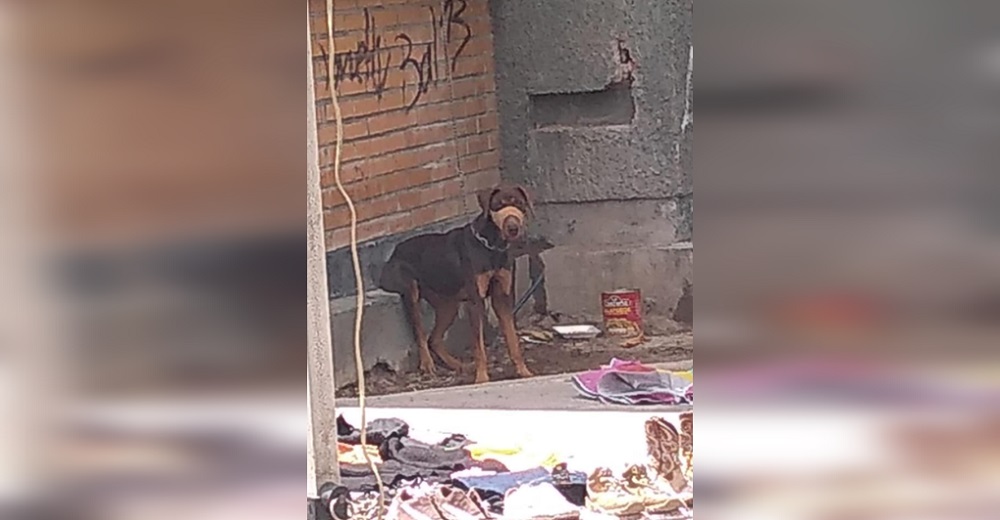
486, 243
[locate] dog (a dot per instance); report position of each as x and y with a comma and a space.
464, 265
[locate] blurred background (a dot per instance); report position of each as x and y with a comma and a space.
849, 276
154, 245
849, 295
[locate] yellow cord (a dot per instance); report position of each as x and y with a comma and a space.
359, 282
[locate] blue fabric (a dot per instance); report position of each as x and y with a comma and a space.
500, 483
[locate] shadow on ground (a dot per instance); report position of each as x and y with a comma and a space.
557, 357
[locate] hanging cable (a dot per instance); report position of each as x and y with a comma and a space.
358, 280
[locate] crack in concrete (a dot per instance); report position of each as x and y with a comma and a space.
688, 118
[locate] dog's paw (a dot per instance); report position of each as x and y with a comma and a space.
524, 372
428, 367
482, 377
453, 363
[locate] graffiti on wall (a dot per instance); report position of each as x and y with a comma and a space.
376, 55
367, 62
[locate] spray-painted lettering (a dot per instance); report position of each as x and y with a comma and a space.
367, 63
371, 61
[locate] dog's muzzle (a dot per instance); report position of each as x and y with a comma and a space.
510, 220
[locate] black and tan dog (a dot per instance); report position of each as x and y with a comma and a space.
466, 264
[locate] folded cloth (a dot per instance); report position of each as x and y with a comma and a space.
625, 365
538, 501
643, 387
493, 486
421, 455
473, 472
359, 478
378, 432
353, 454
491, 465
586, 382
687, 375
624, 382
512, 456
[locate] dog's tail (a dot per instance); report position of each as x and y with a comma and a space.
394, 276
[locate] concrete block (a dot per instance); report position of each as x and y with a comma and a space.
600, 163
575, 276
571, 48
386, 335
622, 223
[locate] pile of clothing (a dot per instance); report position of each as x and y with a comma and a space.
456, 478
631, 383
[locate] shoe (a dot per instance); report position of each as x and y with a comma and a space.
455, 504
414, 504
655, 498
337, 500
605, 494
687, 445
572, 484
663, 443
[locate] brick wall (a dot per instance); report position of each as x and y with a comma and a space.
415, 83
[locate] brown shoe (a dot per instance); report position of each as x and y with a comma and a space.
414, 504
663, 443
655, 498
456, 504
605, 494
687, 445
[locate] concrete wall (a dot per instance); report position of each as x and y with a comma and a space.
596, 119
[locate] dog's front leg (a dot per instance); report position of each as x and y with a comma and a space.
503, 305
477, 315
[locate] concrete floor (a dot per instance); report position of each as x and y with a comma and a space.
537, 393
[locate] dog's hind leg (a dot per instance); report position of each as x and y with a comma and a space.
393, 277
411, 302
445, 312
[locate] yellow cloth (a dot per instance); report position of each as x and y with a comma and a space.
687, 375
352, 454
515, 457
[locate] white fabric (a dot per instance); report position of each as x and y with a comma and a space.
536, 500
473, 472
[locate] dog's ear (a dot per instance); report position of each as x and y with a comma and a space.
485, 197
527, 197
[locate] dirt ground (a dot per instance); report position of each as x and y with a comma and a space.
557, 357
